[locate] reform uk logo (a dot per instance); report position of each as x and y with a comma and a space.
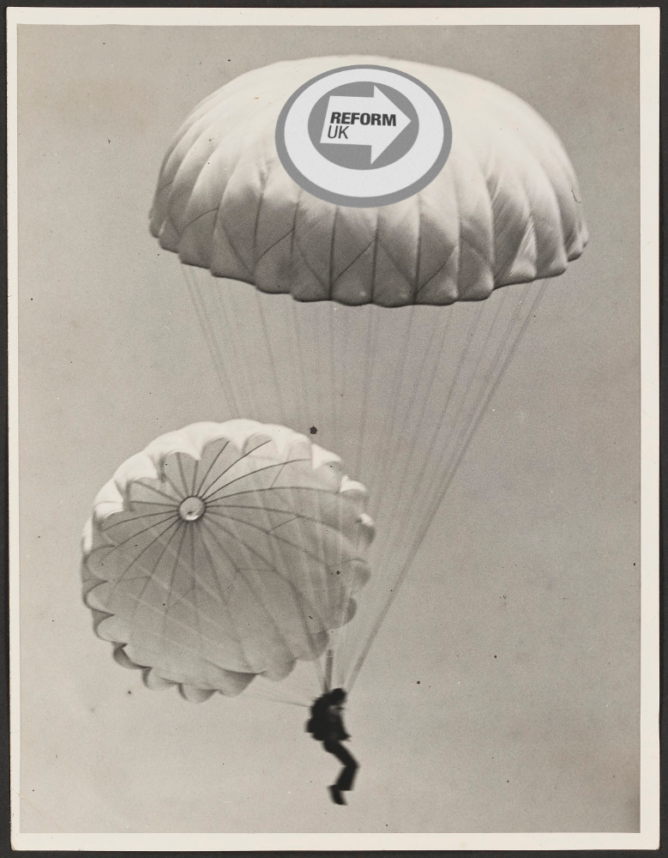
363, 136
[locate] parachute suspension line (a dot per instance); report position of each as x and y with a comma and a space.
501, 362
302, 409
329, 666
240, 299
332, 372
369, 338
421, 371
345, 437
272, 357
309, 580
379, 486
222, 295
463, 419
300, 405
387, 429
312, 383
463, 428
223, 298
369, 349
367, 333
282, 325
320, 675
317, 369
385, 383
343, 406
211, 341
403, 468
448, 422
417, 541
346, 629
390, 543
255, 692
343, 589
470, 336
301, 391
335, 587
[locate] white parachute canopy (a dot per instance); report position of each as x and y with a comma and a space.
223, 552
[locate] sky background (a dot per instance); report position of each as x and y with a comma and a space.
503, 691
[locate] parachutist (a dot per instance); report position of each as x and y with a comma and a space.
326, 726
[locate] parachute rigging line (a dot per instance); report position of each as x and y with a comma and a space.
443, 491
400, 478
443, 418
211, 342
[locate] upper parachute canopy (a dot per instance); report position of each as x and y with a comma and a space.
224, 551
504, 209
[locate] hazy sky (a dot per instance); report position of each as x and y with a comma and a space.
520, 619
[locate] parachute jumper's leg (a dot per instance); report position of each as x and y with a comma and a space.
346, 779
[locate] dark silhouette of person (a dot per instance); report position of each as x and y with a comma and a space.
326, 725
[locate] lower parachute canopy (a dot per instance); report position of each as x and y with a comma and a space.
225, 551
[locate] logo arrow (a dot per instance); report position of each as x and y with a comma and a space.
363, 121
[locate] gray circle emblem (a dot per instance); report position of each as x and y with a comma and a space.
363, 136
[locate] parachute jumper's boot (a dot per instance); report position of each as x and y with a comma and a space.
335, 792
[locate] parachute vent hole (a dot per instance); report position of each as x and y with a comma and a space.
192, 508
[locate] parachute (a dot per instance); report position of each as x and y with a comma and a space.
223, 552
503, 210
384, 330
